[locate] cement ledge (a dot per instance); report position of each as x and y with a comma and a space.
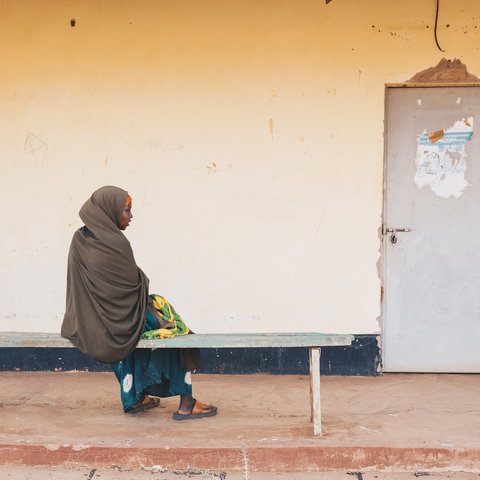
255, 459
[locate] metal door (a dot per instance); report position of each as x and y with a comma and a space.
431, 230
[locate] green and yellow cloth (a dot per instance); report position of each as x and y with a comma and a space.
168, 314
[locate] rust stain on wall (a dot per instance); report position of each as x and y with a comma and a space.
446, 71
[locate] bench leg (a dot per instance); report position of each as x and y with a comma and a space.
315, 406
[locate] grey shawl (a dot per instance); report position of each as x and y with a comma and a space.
107, 294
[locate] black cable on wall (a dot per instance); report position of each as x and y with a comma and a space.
435, 29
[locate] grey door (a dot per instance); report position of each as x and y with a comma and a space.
431, 274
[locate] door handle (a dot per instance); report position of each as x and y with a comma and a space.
394, 231
386, 230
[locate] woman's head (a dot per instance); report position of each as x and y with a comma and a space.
110, 203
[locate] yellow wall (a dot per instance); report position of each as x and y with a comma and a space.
249, 133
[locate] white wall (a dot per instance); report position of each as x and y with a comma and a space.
249, 134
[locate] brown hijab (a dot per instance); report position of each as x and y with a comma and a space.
107, 294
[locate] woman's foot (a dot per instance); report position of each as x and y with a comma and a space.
145, 404
191, 408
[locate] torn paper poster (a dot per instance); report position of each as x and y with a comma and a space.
441, 159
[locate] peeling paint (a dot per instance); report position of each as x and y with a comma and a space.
80, 447
52, 447
447, 71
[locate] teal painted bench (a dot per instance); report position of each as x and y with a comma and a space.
314, 341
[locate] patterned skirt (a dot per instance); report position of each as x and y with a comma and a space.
156, 372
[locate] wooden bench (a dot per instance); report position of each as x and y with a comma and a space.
314, 341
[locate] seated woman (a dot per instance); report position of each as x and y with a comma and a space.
108, 308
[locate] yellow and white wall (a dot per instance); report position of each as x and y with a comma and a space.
249, 134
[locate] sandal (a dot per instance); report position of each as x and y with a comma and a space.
142, 405
199, 410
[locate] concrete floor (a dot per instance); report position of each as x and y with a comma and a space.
409, 423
